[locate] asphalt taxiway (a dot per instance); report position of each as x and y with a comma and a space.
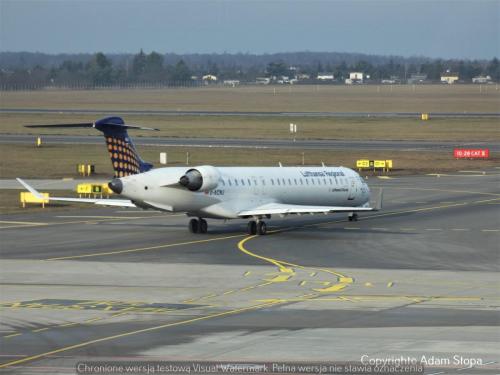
418, 278
103, 112
255, 143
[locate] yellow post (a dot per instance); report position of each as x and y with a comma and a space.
425, 116
38, 141
379, 164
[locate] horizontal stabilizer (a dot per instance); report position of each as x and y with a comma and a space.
89, 125
124, 157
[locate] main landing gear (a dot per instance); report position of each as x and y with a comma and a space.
198, 225
353, 216
257, 227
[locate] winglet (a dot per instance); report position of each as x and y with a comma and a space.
380, 199
31, 189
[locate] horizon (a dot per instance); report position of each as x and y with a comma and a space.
252, 54
428, 29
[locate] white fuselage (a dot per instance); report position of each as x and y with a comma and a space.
241, 188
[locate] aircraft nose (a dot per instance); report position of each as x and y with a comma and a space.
116, 185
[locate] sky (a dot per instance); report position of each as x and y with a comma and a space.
446, 29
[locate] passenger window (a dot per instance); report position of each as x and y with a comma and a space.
283, 180
235, 182
307, 181
301, 182
295, 180
229, 182
279, 183
222, 182
249, 183
242, 182
272, 182
313, 181
289, 182
263, 182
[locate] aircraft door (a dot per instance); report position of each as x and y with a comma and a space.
255, 185
353, 188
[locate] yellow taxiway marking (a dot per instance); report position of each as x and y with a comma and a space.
19, 224
93, 320
67, 324
392, 213
98, 217
333, 288
12, 335
459, 229
41, 329
446, 190
371, 298
247, 273
490, 230
280, 278
145, 248
135, 332
79, 221
434, 229
346, 280
390, 284
280, 265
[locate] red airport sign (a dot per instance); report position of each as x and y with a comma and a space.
471, 153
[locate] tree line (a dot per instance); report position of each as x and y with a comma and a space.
100, 70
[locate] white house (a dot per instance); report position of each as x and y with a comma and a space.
209, 77
449, 78
481, 79
325, 77
356, 77
231, 82
263, 80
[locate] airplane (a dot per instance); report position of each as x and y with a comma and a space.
254, 193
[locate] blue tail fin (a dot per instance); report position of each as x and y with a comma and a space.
124, 157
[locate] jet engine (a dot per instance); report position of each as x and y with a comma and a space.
202, 178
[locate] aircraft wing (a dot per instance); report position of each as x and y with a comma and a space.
285, 209
102, 202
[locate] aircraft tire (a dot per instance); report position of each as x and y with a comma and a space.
252, 227
261, 228
203, 227
194, 226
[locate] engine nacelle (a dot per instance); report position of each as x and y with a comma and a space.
202, 178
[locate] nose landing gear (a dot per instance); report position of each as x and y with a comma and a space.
353, 216
198, 225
